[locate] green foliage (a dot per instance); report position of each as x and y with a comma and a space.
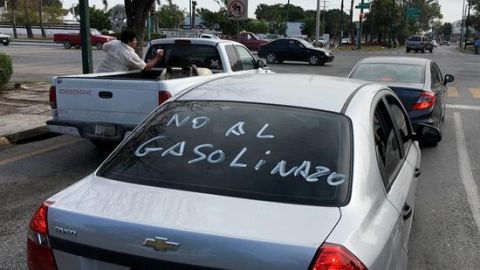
99, 18
257, 26
170, 16
6, 69
51, 12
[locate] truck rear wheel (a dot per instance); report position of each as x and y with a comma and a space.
67, 44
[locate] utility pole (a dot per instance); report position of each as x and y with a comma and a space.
351, 23
317, 24
467, 23
463, 24
359, 37
341, 25
286, 17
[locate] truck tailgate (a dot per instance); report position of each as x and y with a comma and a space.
109, 101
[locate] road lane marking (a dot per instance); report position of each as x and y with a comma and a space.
34, 153
452, 92
463, 107
466, 173
475, 92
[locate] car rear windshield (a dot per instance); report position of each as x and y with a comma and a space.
247, 150
415, 38
184, 54
389, 72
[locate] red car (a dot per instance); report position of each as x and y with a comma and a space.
73, 39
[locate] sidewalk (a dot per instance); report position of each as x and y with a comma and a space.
24, 111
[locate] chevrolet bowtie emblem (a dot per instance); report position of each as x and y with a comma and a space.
160, 243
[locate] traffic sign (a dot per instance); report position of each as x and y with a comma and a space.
237, 9
413, 12
363, 5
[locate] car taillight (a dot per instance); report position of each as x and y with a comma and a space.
335, 257
426, 100
53, 97
163, 96
39, 252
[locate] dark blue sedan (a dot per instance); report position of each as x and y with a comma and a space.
418, 82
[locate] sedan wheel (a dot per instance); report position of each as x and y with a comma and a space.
67, 44
313, 60
271, 58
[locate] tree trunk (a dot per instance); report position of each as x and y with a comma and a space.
27, 22
14, 18
136, 11
41, 19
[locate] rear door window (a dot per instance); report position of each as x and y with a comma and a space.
246, 58
256, 151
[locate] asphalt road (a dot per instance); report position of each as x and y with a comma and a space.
446, 227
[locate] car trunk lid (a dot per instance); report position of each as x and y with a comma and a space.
408, 93
118, 223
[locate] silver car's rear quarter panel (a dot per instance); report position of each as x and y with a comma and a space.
213, 231
370, 226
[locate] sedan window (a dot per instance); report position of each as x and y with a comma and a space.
257, 151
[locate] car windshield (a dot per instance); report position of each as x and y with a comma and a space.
415, 38
256, 151
94, 32
185, 54
389, 72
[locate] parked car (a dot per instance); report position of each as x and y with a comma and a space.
250, 40
418, 82
5, 39
73, 39
239, 173
346, 41
211, 36
293, 49
446, 43
418, 43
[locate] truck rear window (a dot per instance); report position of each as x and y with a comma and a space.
186, 54
256, 151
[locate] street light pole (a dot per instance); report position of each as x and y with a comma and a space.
317, 24
341, 25
466, 23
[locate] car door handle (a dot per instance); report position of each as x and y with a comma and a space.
417, 172
406, 211
105, 94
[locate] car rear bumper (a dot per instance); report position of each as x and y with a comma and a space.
102, 131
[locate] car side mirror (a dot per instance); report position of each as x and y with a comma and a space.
260, 63
426, 132
448, 78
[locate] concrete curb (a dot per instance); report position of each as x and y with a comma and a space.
27, 134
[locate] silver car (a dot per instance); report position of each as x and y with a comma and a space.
246, 172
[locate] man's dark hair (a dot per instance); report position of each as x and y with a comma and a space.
127, 36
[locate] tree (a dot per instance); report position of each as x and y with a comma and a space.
170, 15
28, 26
447, 30
137, 11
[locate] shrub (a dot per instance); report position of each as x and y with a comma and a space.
5, 69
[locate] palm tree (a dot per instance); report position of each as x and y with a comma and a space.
27, 21
41, 19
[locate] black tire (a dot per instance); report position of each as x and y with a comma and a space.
431, 50
271, 58
99, 45
313, 60
423, 50
416, 51
408, 50
5, 43
67, 44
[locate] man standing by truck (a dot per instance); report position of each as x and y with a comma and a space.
121, 55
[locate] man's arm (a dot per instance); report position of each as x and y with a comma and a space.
158, 57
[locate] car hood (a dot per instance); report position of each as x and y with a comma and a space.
122, 215
325, 51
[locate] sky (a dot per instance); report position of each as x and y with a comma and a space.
451, 9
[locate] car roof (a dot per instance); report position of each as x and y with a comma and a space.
299, 90
201, 41
396, 60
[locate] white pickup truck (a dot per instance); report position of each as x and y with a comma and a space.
103, 107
